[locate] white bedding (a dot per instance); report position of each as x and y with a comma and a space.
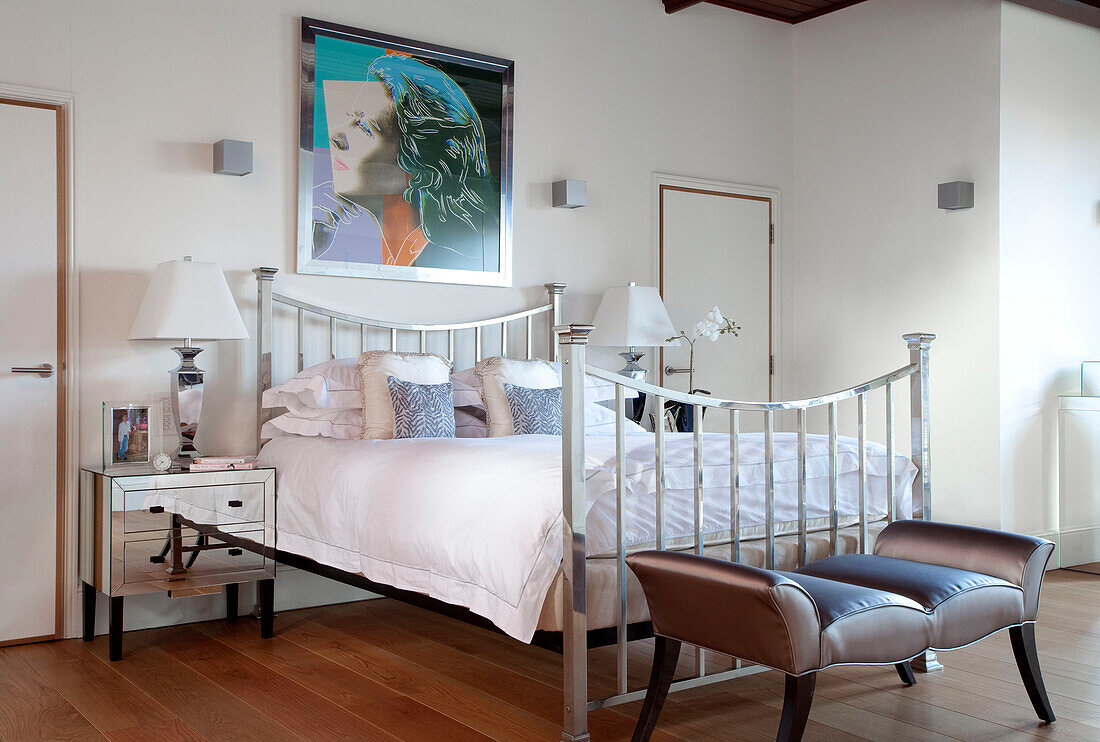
477, 522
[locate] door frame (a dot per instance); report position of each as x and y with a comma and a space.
67, 598
661, 182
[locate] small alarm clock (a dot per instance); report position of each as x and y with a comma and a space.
162, 462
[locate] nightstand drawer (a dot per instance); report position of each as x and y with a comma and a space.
220, 505
211, 566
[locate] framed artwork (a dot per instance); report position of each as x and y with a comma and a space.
405, 159
130, 434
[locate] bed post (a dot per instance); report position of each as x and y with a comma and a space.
920, 411
264, 278
919, 343
572, 340
554, 292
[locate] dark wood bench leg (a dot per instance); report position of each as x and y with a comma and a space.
231, 593
89, 612
115, 630
1023, 647
266, 589
905, 672
666, 652
796, 707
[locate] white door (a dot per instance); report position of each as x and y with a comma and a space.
28, 337
715, 250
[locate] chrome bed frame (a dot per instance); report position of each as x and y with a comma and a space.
567, 343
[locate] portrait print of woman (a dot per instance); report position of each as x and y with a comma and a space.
402, 166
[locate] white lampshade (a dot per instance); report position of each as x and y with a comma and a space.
632, 315
188, 300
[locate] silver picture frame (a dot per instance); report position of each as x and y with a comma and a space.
307, 262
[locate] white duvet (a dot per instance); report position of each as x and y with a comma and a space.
477, 522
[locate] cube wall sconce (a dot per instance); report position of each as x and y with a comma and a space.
958, 194
232, 157
570, 194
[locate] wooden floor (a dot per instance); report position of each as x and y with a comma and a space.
379, 670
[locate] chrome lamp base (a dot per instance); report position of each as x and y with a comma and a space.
632, 370
186, 383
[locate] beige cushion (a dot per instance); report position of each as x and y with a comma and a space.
374, 366
494, 373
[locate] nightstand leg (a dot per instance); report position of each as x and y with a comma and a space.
116, 629
231, 602
266, 590
89, 612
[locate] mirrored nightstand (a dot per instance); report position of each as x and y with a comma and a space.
144, 531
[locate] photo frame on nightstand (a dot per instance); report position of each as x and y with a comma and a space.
131, 434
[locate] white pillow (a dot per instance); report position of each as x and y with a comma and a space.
374, 366
343, 424
600, 420
595, 388
494, 373
332, 384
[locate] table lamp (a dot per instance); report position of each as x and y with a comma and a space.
632, 316
187, 301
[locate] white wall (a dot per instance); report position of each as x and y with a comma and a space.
1050, 245
891, 98
607, 92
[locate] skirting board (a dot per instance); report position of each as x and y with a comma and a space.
1078, 546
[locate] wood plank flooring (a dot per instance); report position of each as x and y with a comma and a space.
380, 670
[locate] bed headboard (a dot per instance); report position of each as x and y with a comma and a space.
548, 313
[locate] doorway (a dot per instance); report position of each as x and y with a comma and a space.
35, 376
716, 247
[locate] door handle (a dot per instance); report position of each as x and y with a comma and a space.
44, 370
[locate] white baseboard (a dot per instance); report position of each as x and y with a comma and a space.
1079, 545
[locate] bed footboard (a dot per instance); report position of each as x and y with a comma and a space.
573, 339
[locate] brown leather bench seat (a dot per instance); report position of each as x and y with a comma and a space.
927, 586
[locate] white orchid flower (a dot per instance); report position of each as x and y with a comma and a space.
700, 328
715, 316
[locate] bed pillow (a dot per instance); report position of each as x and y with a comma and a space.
467, 389
595, 388
534, 411
494, 373
421, 410
375, 367
342, 424
600, 420
470, 422
329, 385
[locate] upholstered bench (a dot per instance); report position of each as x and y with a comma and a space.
927, 586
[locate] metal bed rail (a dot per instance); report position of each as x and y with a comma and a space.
573, 340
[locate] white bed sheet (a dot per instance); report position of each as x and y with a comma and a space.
477, 522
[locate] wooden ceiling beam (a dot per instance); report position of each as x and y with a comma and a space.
794, 16
830, 9
671, 6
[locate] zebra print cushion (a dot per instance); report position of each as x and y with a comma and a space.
422, 410
534, 411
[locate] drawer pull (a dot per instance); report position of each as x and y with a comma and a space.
156, 509
156, 559
235, 503
234, 552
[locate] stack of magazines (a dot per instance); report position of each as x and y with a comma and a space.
221, 463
